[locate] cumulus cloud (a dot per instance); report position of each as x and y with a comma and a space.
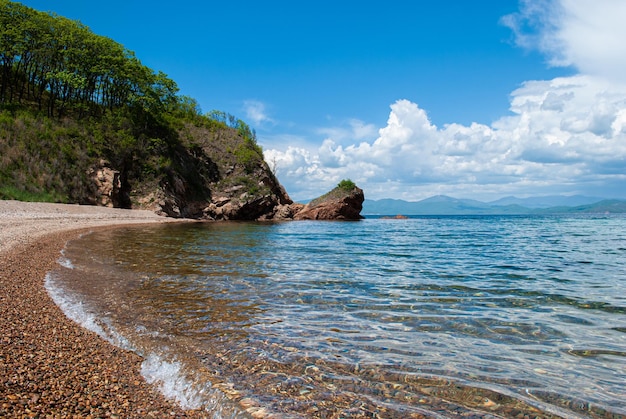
587, 35
566, 135
562, 133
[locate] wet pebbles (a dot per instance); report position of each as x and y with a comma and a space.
51, 367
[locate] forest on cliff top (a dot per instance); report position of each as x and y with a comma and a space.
72, 100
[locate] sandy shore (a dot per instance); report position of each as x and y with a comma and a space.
50, 366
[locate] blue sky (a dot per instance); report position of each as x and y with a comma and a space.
474, 99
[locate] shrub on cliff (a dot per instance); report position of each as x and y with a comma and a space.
346, 184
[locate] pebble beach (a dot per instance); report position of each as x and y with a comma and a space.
50, 367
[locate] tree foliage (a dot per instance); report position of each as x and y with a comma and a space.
346, 184
64, 68
70, 98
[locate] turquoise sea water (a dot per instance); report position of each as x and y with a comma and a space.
426, 317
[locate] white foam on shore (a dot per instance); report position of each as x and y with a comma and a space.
65, 261
167, 376
77, 311
170, 378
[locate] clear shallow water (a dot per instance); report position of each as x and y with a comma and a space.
436, 317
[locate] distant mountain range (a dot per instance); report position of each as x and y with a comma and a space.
445, 205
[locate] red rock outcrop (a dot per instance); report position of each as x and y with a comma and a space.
338, 204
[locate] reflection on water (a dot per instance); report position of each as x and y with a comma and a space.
449, 317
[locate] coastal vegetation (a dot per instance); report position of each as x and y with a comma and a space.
73, 102
346, 184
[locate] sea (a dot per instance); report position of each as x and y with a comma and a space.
425, 317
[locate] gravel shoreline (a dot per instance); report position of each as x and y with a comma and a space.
50, 367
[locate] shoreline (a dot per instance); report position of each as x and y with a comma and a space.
49, 365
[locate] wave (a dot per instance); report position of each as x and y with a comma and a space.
169, 377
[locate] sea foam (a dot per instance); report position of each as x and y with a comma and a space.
172, 381
77, 311
167, 376
65, 261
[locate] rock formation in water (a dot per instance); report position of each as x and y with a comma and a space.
396, 217
339, 204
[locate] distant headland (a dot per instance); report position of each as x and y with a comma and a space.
445, 205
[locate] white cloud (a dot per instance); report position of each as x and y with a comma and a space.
563, 136
256, 112
588, 35
566, 135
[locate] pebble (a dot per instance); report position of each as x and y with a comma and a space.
67, 373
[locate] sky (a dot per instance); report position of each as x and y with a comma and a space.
409, 99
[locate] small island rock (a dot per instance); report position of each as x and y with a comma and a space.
339, 204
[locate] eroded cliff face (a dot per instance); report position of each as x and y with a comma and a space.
233, 194
261, 201
107, 185
219, 176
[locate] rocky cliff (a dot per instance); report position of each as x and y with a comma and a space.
196, 167
219, 176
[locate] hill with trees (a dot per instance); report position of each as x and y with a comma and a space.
82, 120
